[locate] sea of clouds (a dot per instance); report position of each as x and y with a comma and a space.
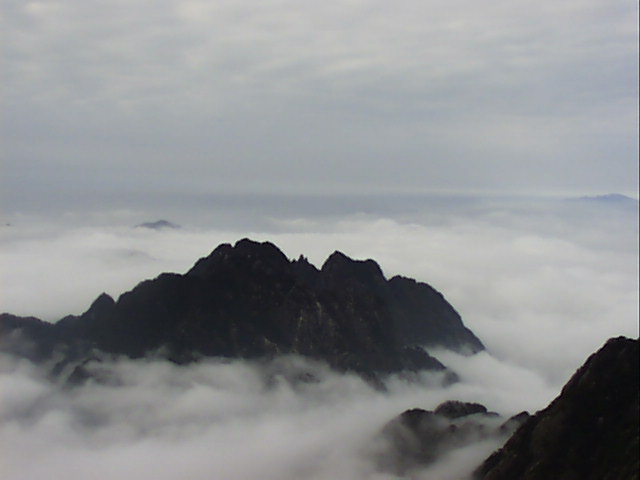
542, 283
213, 420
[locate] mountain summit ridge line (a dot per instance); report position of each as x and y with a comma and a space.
249, 300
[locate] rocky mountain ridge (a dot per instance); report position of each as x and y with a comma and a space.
248, 301
589, 432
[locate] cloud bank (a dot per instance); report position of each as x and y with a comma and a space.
543, 284
241, 420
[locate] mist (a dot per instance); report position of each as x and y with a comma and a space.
241, 420
542, 283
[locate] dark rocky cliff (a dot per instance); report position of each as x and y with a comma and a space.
589, 432
249, 301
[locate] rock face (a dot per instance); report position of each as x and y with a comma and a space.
249, 301
589, 432
418, 437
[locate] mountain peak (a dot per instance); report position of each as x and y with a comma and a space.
103, 303
249, 300
246, 254
339, 264
250, 247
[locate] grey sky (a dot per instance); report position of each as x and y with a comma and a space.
281, 95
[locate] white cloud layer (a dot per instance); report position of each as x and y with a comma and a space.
543, 284
154, 420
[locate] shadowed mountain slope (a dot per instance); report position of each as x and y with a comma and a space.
418, 437
589, 432
250, 301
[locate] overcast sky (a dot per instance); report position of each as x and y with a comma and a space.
114, 97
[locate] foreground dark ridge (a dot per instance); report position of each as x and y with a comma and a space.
250, 301
590, 432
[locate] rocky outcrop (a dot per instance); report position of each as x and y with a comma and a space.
249, 301
589, 432
418, 437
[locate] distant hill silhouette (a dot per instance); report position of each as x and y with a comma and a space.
250, 301
158, 225
609, 198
